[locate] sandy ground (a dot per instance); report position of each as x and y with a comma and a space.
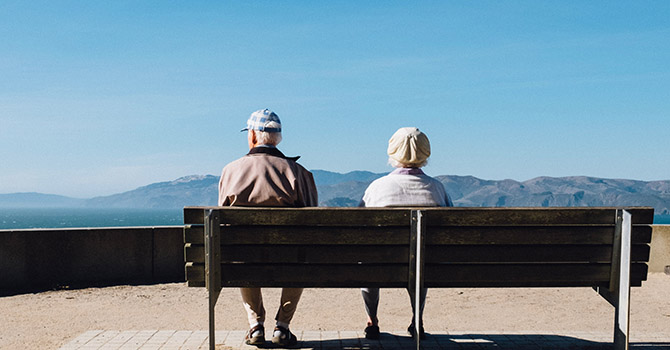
50, 319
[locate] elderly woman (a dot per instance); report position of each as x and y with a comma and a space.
407, 185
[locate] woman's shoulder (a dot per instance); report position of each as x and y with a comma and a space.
381, 182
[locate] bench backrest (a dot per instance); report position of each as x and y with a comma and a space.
460, 247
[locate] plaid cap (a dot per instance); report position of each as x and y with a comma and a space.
263, 120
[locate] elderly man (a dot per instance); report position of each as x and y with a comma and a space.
266, 177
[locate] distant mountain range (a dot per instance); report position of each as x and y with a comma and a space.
337, 189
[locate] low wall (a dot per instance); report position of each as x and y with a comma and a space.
42, 259
660, 249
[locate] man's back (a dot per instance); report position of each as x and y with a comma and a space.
265, 177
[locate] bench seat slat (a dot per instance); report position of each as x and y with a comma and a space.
434, 235
530, 216
528, 253
520, 275
393, 235
459, 275
313, 275
398, 254
299, 235
530, 235
316, 275
341, 254
304, 216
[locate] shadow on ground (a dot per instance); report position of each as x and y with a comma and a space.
467, 342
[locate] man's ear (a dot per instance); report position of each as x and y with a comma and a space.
252, 139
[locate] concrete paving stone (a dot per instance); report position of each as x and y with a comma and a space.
446, 339
430, 341
311, 335
146, 333
96, 342
355, 340
108, 335
297, 333
193, 347
224, 334
388, 342
125, 335
348, 334
92, 346
200, 338
86, 337
407, 343
162, 336
234, 339
349, 339
327, 335
463, 340
149, 347
370, 343
506, 346
430, 347
128, 347
176, 340
310, 344
181, 334
523, 343
601, 337
451, 346
481, 340
330, 344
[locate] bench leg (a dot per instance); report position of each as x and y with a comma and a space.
621, 319
416, 265
213, 297
618, 293
212, 266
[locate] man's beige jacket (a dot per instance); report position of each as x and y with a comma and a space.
267, 178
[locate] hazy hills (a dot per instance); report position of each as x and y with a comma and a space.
573, 191
337, 189
38, 200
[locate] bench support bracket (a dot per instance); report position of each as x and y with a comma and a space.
212, 265
618, 293
416, 267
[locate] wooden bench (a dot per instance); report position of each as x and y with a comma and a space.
603, 248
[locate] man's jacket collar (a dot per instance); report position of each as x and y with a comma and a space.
272, 151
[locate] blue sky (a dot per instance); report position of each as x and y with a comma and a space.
102, 97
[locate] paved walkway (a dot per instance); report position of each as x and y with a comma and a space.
353, 340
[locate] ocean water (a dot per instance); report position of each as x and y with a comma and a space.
87, 217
